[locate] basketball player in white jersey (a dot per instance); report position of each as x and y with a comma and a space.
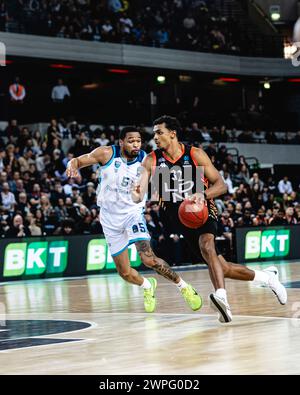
122, 219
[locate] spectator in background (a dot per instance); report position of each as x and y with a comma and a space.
227, 226
12, 131
242, 161
67, 228
211, 150
63, 129
228, 182
294, 198
23, 206
60, 92
69, 186
238, 213
34, 229
37, 140
222, 135
52, 134
82, 144
18, 229
60, 96
277, 218
7, 198
260, 219
162, 37
102, 140
243, 176
2, 156
107, 30
194, 134
26, 160
74, 129
247, 219
156, 232
221, 155
245, 137
89, 196
206, 137
290, 216
255, 180
285, 186
17, 92
271, 185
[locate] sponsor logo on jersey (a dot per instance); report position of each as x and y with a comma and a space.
117, 164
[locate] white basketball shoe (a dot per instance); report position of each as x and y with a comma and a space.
275, 285
221, 306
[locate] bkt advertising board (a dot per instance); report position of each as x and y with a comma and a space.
268, 243
57, 257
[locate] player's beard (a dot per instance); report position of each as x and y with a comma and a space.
130, 155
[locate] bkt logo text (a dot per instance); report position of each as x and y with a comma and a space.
267, 244
35, 258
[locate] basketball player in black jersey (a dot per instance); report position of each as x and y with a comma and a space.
176, 156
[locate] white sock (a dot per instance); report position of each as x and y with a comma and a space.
221, 293
182, 284
261, 277
146, 284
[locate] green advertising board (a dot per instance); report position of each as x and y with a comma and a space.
267, 243
35, 258
99, 257
50, 257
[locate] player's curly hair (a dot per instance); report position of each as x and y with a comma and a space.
128, 129
171, 123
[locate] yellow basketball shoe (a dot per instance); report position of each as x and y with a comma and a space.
191, 297
149, 296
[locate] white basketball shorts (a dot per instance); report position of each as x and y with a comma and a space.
121, 230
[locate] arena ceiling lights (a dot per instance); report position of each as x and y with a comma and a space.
222, 81
61, 66
161, 79
229, 79
118, 71
185, 78
275, 13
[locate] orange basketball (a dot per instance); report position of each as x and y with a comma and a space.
193, 215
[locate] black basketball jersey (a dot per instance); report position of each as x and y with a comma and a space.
174, 181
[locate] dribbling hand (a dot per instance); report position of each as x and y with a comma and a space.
198, 198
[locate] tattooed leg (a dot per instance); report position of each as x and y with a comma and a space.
149, 259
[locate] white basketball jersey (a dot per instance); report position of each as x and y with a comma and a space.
115, 183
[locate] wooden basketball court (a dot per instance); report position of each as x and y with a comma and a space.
97, 325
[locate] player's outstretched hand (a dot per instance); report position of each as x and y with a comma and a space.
72, 168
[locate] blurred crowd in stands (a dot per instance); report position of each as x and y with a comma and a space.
193, 25
36, 197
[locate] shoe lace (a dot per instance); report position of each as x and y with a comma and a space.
148, 293
187, 291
